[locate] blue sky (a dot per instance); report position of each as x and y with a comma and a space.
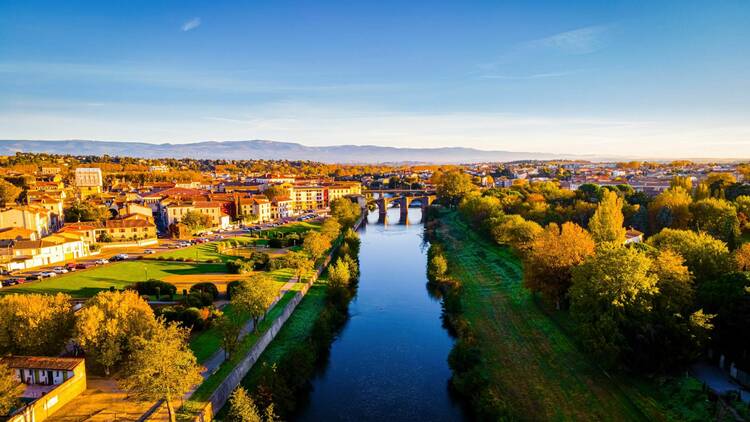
652, 79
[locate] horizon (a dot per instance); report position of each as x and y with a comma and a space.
617, 79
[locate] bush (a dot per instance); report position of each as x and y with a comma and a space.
153, 287
240, 266
206, 287
278, 243
198, 299
231, 287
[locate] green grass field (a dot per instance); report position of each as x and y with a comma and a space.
533, 366
86, 283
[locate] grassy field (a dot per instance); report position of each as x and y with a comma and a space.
86, 283
533, 366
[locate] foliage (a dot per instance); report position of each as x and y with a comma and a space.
437, 267
196, 220
477, 208
254, 296
515, 231
10, 389
606, 225
330, 228
107, 326
728, 297
8, 193
161, 366
716, 217
242, 407
240, 266
608, 290
741, 257
86, 211
345, 211
552, 256
705, 256
155, 287
276, 192
230, 329
206, 287
674, 202
34, 324
316, 244
453, 185
339, 274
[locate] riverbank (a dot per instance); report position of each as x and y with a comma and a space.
513, 361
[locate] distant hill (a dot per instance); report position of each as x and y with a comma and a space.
258, 149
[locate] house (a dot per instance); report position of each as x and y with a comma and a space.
89, 181
282, 208
256, 208
134, 228
17, 233
27, 254
49, 384
89, 230
29, 217
633, 236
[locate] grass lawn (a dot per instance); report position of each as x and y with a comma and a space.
533, 365
297, 227
86, 283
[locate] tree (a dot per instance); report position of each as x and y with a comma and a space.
330, 229
705, 256
718, 218
609, 291
242, 407
162, 366
316, 244
728, 297
437, 267
276, 192
677, 201
552, 256
254, 296
339, 274
477, 209
345, 211
35, 324
86, 211
741, 257
230, 335
8, 193
683, 182
108, 323
515, 231
718, 182
606, 223
196, 220
454, 185
742, 203
10, 389
299, 262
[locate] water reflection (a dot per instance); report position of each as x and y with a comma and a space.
389, 362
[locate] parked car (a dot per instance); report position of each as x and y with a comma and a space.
13, 281
120, 257
84, 265
149, 251
60, 270
33, 276
101, 261
71, 266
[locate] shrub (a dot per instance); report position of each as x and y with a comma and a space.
206, 287
152, 287
231, 287
198, 299
240, 266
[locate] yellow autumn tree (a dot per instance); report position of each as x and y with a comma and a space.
606, 225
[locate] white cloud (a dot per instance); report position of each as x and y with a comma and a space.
191, 24
578, 41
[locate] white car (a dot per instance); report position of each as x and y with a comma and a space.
101, 261
48, 274
149, 252
60, 270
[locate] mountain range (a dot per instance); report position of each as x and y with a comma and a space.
259, 149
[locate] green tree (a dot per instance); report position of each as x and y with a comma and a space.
254, 296
276, 192
8, 193
331, 229
609, 290
108, 323
705, 256
230, 330
718, 218
437, 267
10, 390
339, 274
345, 211
454, 185
606, 223
195, 220
162, 366
35, 324
86, 211
316, 244
677, 201
515, 231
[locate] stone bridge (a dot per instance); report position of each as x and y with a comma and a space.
401, 197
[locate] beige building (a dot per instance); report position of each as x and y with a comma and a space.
89, 180
27, 254
32, 217
256, 208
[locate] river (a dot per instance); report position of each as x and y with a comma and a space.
389, 362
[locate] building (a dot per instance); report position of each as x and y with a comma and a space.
254, 208
135, 228
89, 181
282, 208
30, 217
27, 254
49, 384
308, 197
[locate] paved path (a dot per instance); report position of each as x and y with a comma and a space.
717, 380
